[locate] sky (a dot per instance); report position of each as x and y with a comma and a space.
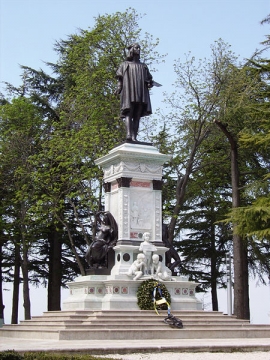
30, 28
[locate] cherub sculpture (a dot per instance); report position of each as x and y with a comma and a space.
137, 268
147, 248
158, 270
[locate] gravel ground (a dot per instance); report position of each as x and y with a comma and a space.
195, 356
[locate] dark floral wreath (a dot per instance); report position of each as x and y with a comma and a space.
145, 295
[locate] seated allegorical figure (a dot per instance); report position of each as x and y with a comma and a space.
105, 239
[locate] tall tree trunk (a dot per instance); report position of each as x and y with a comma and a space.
2, 307
26, 290
246, 283
55, 270
16, 285
241, 295
214, 295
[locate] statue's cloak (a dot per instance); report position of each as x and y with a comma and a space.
135, 78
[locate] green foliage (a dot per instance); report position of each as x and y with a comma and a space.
145, 295
20, 128
253, 220
12, 355
87, 66
87, 124
204, 239
197, 181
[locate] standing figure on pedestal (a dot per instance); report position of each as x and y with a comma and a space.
134, 82
147, 248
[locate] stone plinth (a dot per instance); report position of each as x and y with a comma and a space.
97, 292
133, 191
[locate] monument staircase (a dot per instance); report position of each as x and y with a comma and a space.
136, 325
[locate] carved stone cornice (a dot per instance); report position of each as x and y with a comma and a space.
133, 160
140, 169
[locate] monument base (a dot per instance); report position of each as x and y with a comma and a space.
133, 196
116, 292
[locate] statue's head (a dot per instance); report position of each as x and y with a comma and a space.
141, 257
106, 218
133, 49
155, 259
146, 236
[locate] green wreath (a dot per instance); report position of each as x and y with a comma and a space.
145, 295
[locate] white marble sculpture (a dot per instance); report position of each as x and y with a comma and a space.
137, 268
148, 249
158, 270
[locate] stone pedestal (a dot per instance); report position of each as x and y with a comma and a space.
133, 187
133, 190
100, 292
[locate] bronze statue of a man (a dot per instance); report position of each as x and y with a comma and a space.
134, 82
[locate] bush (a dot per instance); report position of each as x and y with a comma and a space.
12, 355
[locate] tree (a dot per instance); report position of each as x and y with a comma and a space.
240, 93
223, 91
204, 238
78, 108
190, 118
20, 133
253, 220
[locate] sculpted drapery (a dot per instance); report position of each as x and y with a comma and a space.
134, 81
135, 87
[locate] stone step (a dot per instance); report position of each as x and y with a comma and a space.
112, 325
122, 315
29, 334
51, 314
132, 313
168, 333
202, 320
144, 333
128, 317
128, 323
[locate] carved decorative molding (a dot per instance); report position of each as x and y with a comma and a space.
158, 225
143, 168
